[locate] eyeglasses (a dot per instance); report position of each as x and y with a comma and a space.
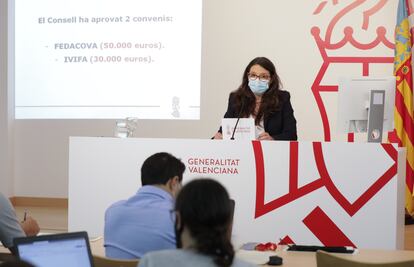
262, 77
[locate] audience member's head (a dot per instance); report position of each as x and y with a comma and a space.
204, 217
163, 169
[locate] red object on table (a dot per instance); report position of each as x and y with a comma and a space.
266, 247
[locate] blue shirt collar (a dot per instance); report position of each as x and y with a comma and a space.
150, 189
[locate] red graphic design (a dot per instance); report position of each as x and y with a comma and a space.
325, 180
325, 229
293, 167
286, 241
326, 46
261, 207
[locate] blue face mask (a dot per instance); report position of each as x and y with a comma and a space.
258, 87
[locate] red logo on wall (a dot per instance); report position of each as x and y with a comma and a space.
331, 52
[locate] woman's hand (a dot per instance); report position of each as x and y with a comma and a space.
218, 136
265, 136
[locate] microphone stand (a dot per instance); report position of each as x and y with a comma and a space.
237, 122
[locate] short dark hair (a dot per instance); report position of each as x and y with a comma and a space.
205, 209
160, 168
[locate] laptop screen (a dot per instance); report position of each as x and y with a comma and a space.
70, 249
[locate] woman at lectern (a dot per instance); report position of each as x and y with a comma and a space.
260, 97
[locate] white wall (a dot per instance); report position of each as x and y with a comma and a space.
234, 32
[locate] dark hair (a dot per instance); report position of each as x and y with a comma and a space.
160, 168
270, 99
205, 209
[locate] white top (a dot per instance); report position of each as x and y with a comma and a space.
259, 128
184, 258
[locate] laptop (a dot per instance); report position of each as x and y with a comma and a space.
63, 250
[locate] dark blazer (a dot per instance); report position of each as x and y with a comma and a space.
281, 124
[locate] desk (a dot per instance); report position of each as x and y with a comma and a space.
314, 193
299, 259
296, 259
97, 247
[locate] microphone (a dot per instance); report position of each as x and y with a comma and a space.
238, 118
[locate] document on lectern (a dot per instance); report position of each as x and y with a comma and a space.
245, 129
